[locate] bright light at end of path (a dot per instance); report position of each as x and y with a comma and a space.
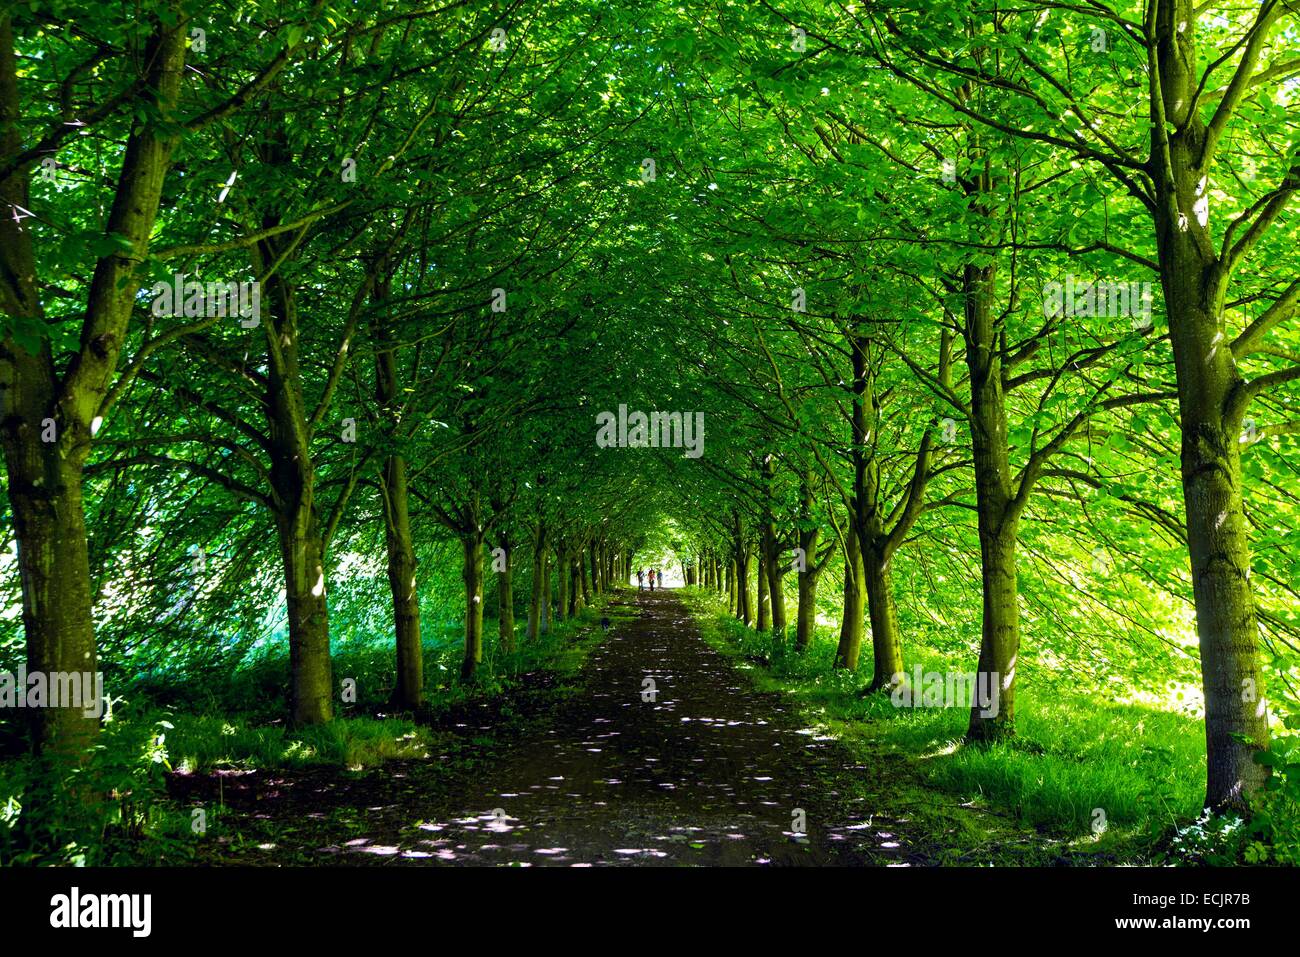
672, 577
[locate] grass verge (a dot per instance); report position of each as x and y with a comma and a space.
1085, 780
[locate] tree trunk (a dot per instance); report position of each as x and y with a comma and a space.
770, 573
997, 513
506, 599
809, 570
861, 504
1211, 408
1000, 642
583, 578
776, 588
538, 585
472, 575
45, 477
855, 594
409, 693
45, 493
886, 642
293, 482
575, 589
311, 672
762, 591
563, 575
744, 608
546, 591
394, 499
806, 612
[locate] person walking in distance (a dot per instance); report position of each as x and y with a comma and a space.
640, 579
652, 579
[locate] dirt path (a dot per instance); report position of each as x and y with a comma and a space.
696, 768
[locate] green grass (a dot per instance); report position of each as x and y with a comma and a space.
200, 743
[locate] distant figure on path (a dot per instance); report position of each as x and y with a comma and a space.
640, 579
652, 579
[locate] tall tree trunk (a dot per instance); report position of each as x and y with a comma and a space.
1000, 639
45, 477
546, 591
770, 572
775, 586
806, 611
745, 608
583, 577
855, 594
311, 672
409, 693
855, 583
996, 510
762, 591
1211, 408
52, 557
540, 546
563, 575
394, 498
472, 575
293, 481
809, 569
575, 586
506, 598
880, 545
872, 539
886, 642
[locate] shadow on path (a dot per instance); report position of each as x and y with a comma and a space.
665, 755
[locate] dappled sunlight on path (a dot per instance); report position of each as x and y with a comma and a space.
665, 755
